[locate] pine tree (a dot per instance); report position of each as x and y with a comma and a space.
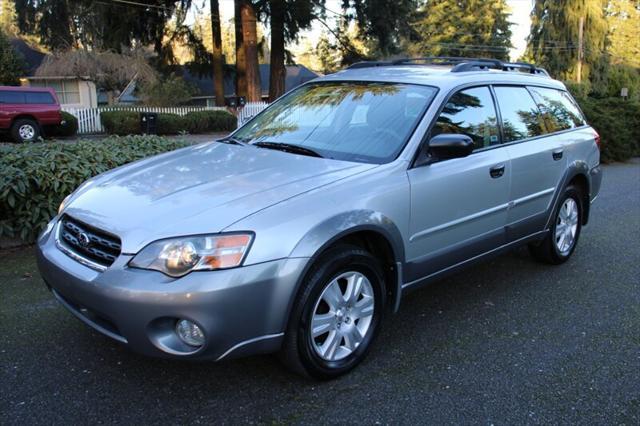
218, 58
11, 63
623, 17
473, 28
553, 42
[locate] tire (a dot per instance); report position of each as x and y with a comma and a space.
338, 269
558, 246
25, 130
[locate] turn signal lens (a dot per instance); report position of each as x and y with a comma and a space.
179, 256
597, 138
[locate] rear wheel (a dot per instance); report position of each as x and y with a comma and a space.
562, 238
25, 130
337, 315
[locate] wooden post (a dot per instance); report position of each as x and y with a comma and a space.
580, 48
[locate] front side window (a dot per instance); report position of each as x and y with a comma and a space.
521, 118
470, 112
558, 109
352, 121
11, 97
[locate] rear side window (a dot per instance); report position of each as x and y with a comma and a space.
521, 118
39, 98
11, 97
470, 112
558, 109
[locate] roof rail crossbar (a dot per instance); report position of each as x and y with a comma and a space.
440, 60
368, 64
459, 64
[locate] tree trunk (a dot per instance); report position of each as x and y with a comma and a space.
241, 65
277, 70
218, 69
250, 41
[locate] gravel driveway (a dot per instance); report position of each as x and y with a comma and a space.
505, 342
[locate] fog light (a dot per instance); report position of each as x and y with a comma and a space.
189, 333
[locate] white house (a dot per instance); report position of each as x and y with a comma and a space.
73, 92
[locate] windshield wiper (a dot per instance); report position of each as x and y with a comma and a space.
287, 147
232, 140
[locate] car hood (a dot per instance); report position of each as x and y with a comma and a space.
197, 190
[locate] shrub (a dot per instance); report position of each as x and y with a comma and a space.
128, 122
35, 178
170, 124
121, 122
618, 123
68, 129
210, 121
168, 92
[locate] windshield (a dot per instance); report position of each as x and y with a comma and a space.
363, 122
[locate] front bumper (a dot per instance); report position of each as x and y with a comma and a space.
242, 311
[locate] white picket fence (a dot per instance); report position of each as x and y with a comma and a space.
89, 118
247, 112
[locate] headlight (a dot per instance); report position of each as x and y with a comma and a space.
179, 256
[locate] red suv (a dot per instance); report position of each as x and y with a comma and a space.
26, 111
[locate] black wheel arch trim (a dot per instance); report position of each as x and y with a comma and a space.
575, 169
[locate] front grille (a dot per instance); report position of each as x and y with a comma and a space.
88, 242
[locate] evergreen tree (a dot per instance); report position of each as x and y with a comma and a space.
218, 58
62, 24
384, 21
286, 19
472, 28
11, 63
553, 42
623, 17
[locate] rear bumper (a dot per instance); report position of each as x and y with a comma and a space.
242, 311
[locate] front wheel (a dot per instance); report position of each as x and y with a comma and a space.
337, 315
562, 238
25, 130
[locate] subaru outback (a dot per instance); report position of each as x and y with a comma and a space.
298, 232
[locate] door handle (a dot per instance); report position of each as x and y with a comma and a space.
557, 154
497, 171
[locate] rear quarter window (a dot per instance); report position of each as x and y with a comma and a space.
559, 110
39, 98
521, 118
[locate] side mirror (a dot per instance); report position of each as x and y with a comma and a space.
447, 145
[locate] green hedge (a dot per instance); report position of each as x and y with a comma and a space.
68, 129
35, 178
128, 122
618, 123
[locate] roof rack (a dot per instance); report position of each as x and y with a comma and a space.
459, 64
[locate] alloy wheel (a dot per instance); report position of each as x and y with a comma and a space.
566, 226
342, 316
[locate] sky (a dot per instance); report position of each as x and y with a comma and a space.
520, 10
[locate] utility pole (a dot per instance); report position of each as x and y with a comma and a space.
580, 48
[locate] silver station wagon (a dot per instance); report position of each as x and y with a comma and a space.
298, 232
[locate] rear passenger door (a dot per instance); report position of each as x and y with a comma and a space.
459, 206
537, 159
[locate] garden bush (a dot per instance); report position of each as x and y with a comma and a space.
68, 129
171, 124
128, 122
617, 122
35, 178
121, 122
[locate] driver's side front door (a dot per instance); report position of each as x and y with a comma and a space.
459, 206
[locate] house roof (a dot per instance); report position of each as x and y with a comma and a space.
296, 75
32, 57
